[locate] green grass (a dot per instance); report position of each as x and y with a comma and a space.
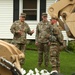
31, 45
67, 62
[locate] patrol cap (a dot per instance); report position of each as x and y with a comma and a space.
23, 15
53, 18
44, 14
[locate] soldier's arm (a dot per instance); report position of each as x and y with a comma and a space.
15, 30
37, 34
59, 36
29, 30
12, 29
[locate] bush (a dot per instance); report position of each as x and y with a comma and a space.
71, 46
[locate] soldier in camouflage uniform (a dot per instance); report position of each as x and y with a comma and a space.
56, 39
19, 29
42, 40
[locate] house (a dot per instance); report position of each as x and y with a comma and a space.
11, 9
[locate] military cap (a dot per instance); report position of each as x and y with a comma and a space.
44, 14
23, 15
53, 18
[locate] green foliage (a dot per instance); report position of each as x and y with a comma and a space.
71, 46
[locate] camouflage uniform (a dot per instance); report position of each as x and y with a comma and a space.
19, 40
56, 40
42, 37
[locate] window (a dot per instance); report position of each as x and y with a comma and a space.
30, 8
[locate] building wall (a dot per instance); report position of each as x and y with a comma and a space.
44, 4
41, 7
9, 12
6, 18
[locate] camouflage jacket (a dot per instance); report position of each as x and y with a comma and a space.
43, 32
20, 26
56, 35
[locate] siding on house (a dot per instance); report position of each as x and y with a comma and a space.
42, 8
9, 12
6, 18
44, 4
32, 26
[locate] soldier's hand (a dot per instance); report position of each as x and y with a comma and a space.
20, 32
36, 43
32, 31
49, 43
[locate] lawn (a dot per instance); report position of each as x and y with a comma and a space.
67, 62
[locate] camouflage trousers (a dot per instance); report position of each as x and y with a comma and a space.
43, 51
21, 47
54, 57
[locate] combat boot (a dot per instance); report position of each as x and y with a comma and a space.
54, 68
46, 64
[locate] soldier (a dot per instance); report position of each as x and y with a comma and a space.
19, 29
42, 40
56, 39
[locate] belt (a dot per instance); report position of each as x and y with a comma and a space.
54, 43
